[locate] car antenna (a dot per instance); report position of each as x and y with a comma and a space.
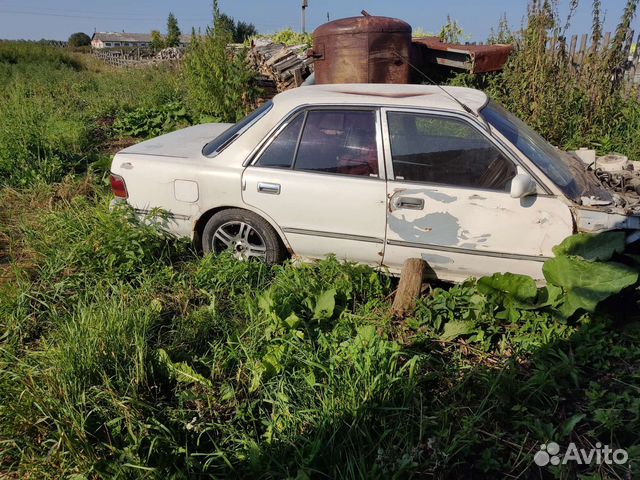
465, 107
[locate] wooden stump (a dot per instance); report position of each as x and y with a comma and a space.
409, 287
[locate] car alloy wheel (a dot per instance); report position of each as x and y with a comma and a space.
242, 239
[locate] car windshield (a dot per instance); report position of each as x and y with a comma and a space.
563, 170
222, 141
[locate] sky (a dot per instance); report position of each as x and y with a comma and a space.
57, 19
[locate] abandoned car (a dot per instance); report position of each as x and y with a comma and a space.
377, 173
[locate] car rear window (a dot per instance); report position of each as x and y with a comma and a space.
222, 141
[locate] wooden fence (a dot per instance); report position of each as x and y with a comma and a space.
579, 50
579, 46
119, 58
138, 57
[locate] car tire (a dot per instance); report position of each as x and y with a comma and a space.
248, 236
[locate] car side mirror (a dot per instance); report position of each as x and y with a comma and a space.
522, 185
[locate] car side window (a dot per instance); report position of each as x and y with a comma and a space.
280, 152
446, 151
339, 141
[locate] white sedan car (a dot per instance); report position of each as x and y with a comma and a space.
375, 174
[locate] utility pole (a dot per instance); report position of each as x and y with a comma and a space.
305, 4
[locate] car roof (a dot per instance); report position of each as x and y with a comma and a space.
422, 96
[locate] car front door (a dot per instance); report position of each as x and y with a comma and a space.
450, 204
320, 178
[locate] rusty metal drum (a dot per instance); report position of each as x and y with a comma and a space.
365, 49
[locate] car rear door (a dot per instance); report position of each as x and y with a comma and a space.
449, 201
320, 178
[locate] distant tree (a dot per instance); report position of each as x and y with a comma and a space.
244, 31
224, 23
157, 42
173, 32
79, 39
239, 31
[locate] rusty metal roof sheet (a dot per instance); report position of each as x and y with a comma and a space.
474, 58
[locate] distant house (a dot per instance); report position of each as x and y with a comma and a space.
116, 39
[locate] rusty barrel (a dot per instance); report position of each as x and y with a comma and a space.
365, 49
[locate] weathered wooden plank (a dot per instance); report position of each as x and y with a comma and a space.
606, 42
572, 47
583, 48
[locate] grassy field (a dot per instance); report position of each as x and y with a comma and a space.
123, 354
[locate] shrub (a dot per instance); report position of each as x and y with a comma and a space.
570, 106
218, 80
79, 39
289, 37
148, 122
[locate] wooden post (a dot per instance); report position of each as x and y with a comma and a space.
572, 48
583, 48
606, 42
409, 287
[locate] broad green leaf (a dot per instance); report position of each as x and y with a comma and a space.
456, 328
180, 372
292, 321
325, 305
550, 295
183, 373
586, 283
567, 427
265, 302
519, 287
272, 360
591, 246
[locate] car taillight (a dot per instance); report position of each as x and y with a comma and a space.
118, 186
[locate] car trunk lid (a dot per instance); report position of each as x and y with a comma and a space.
185, 143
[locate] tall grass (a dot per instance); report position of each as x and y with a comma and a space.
56, 107
572, 106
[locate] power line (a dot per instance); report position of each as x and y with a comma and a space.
64, 11
101, 17
90, 17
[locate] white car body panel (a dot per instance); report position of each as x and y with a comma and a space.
323, 214
468, 232
465, 232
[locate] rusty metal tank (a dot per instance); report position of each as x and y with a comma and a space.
365, 49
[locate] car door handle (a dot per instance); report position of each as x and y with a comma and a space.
272, 188
409, 202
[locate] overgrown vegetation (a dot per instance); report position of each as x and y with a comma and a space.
146, 122
123, 354
218, 78
291, 38
57, 109
570, 105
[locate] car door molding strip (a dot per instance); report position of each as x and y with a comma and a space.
342, 236
468, 251
175, 216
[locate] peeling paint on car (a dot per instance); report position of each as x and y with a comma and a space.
442, 228
439, 196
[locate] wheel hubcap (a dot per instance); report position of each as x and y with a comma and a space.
241, 238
